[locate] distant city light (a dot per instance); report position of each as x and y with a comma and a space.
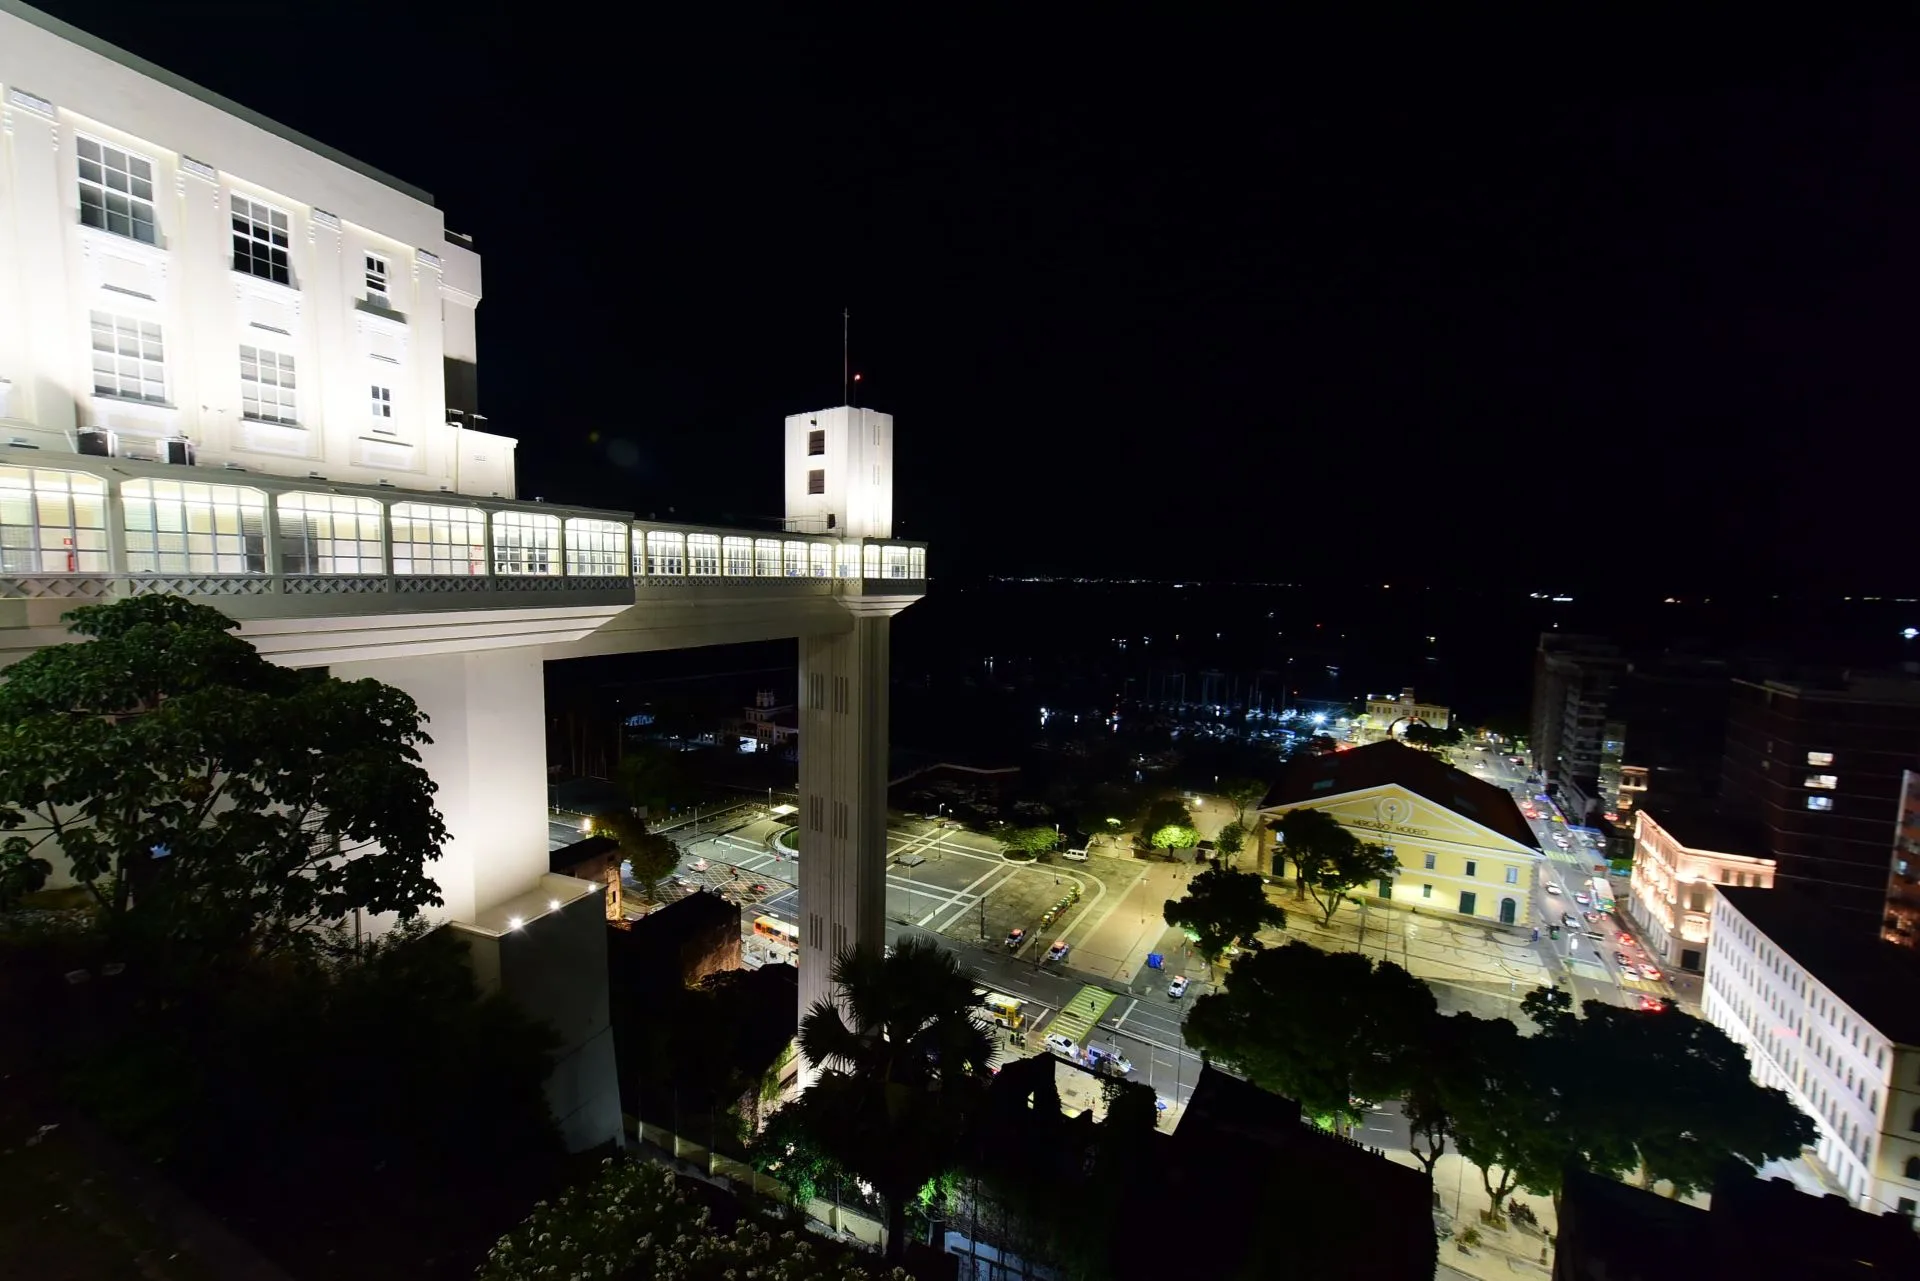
1911, 632
1319, 718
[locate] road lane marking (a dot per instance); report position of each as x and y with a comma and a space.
1130, 1007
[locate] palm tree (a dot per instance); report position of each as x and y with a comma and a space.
902, 1057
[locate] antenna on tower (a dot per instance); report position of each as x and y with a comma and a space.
846, 355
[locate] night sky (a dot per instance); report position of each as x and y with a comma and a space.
1583, 306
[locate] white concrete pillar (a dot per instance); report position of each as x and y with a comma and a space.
488, 755
843, 794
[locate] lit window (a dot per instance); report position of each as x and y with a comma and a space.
816, 481
766, 558
377, 280
52, 522
870, 561
431, 539
820, 556
1826, 782
796, 560
129, 360
180, 527
525, 543
329, 534
1819, 802
116, 190
666, 553
266, 386
738, 555
1819, 758
703, 555
816, 445
895, 561
1513, 876
847, 561
916, 562
596, 548
260, 241
382, 405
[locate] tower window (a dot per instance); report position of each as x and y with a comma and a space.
817, 481
816, 443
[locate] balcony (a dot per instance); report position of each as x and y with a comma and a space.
261, 546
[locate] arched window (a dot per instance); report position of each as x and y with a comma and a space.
429, 538
1508, 911
184, 527
737, 554
52, 522
821, 558
895, 559
666, 553
703, 555
329, 534
766, 558
596, 548
871, 556
526, 543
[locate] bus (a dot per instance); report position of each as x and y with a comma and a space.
1602, 895
779, 931
1004, 1010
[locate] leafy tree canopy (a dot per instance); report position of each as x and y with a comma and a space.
1242, 793
1224, 907
1029, 841
205, 796
1329, 860
1331, 1030
651, 856
1164, 812
1174, 836
654, 778
1231, 840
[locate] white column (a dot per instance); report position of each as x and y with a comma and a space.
843, 794
488, 755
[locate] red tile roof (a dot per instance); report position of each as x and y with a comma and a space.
1315, 778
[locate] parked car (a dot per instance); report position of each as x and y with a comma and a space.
1065, 1046
1569, 919
699, 865
1058, 952
1552, 888
1629, 971
1648, 971
1619, 958
1108, 1062
1074, 856
1015, 937
1582, 899
1178, 987
1652, 1004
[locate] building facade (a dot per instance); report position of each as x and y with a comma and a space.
1832, 1019
1573, 683
1902, 921
1821, 766
188, 280
1389, 717
1674, 880
1462, 847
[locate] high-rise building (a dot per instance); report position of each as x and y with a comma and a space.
1902, 924
1820, 766
1574, 680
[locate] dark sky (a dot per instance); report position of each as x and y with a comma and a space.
1611, 306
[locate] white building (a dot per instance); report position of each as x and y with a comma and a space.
181, 274
1833, 1020
1679, 859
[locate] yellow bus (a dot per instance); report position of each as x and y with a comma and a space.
1003, 1009
779, 931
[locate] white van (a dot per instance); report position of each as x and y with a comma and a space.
1074, 856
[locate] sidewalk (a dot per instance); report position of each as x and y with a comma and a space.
1133, 925
1503, 1253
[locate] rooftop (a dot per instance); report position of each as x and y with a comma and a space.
1880, 981
1422, 773
1704, 825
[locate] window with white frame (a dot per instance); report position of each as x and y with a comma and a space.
266, 385
1819, 758
1819, 802
381, 401
666, 553
766, 558
703, 555
796, 559
52, 522
895, 561
129, 359
116, 190
596, 548
182, 527
260, 240
429, 538
847, 560
738, 554
870, 561
916, 562
1825, 782
329, 534
820, 556
377, 280
525, 543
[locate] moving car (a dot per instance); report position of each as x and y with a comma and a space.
1619, 958
1652, 1004
1065, 1046
1569, 920
1552, 888
1015, 937
1627, 939
1629, 971
1177, 988
1582, 899
1058, 952
1647, 971
1108, 1062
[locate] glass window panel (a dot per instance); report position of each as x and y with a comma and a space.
738, 554
116, 190
666, 553
596, 548
820, 555
796, 560
228, 524
766, 558
329, 534
703, 555
429, 538
525, 543
52, 522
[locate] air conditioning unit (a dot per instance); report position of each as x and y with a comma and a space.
178, 451
98, 442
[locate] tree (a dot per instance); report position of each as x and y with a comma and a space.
649, 855
896, 1083
1549, 1007
1332, 1030
1222, 908
1242, 792
1173, 836
1329, 860
1429, 1100
1160, 815
1231, 840
202, 794
1027, 842
654, 778
1505, 1111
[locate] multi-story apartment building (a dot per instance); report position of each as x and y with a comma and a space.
1902, 922
1832, 1018
187, 281
1821, 765
1461, 844
1573, 682
1680, 859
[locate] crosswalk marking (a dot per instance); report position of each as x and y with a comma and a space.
1082, 1013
